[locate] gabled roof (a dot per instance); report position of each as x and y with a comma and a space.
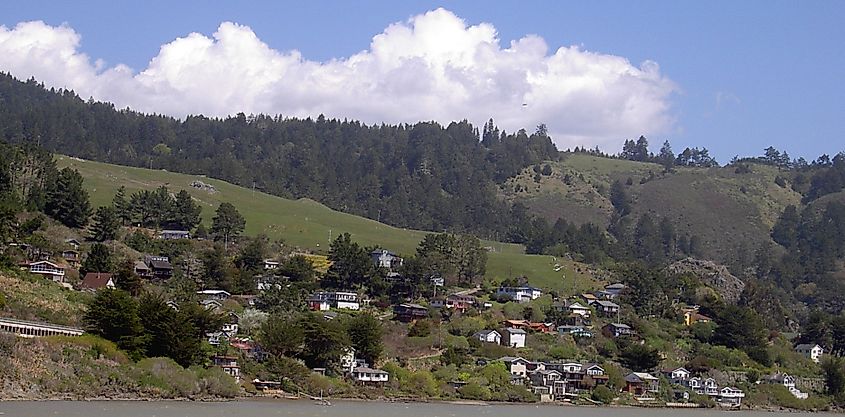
160, 264
806, 346
616, 286
619, 325
515, 331
639, 377
606, 303
485, 333
96, 280
45, 262
670, 370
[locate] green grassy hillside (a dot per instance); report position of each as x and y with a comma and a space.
307, 224
725, 209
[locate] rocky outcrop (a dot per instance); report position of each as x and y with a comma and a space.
712, 275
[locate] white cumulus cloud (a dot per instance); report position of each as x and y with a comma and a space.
432, 67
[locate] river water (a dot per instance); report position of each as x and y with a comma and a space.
270, 408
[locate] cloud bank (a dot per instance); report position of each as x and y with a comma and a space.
432, 67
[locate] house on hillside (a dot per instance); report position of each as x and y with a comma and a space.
678, 376
219, 295
730, 396
408, 312
606, 308
460, 302
641, 384
73, 243
365, 375
612, 291
384, 258
522, 294
574, 331
615, 330
160, 266
489, 336
72, 257
94, 281
519, 366
811, 351
514, 338
692, 316
229, 364
142, 270
270, 264
787, 381
48, 270
324, 300
174, 234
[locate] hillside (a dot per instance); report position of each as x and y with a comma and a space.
307, 224
725, 209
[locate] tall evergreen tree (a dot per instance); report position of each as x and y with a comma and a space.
121, 206
98, 260
113, 315
186, 212
106, 224
227, 223
67, 200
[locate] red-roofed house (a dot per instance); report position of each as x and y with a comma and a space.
94, 281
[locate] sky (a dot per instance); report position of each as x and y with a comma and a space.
735, 77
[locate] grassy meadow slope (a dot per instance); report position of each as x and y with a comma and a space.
308, 224
724, 208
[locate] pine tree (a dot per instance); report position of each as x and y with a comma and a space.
121, 206
227, 223
106, 224
67, 200
186, 213
666, 157
113, 315
98, 260
126, 279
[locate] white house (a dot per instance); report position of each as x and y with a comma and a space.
323, 300
383, 258
369, 376
516, 366
47, 269
214, 294
789, 382
520, 294
710, 387
577, 308
514, 338
229, 365
174, 234
677, 375
270, 264
731, 396
489, 336
812, 351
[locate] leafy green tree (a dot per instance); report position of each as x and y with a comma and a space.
351, 264
325, 341
470, 258
99, 259
217, 270
127, 280
741, 328
282, 336
251, 256
168, 332
785, 231
106, 224
640, 357
67, 200
186, 212
227, 223
619, 198
298, 268
160, 206
834, 375
121, 206
113, 314
365, 335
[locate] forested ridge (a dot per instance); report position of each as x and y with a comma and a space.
423, 176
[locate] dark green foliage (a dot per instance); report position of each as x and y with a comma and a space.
834, 375
228, 223
282, 336
126, 279
113, 314
106, 224
640, 357
67, 200
217, 270
99, 259
168, 332
742, 328
121, 206
251, 255
829, 179
298, 268
619, 198
603, 394
457, 258
186, 212
785, 230
365, 335
666, 157
325, 341
351, 265
420, 328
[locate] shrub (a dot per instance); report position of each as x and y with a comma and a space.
603, 394
474, 391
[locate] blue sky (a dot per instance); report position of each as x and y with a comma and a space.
745, 75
